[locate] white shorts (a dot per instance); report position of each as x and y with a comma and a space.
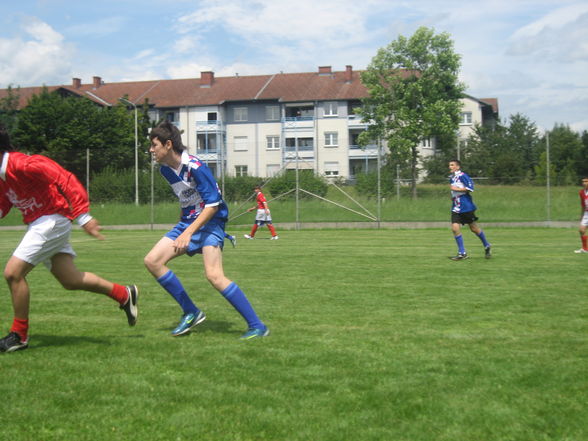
584, 221
45, 237
262, 216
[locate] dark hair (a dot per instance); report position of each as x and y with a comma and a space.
166, 131
457, 161
5, 145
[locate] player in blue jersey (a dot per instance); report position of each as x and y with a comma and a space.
200, 230
463, 210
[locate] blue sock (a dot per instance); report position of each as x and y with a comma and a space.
172, 284
237, 298
482, 237
460, 247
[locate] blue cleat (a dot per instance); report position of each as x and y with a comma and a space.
255, 333
188, 322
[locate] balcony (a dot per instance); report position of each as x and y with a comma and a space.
355, 122
298, 122
369, 151
304, 152
209, 126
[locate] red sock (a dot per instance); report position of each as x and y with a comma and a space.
272, 230
253, 230
21, 327
585, 242
119, 293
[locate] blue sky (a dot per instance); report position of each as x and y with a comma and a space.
531, 55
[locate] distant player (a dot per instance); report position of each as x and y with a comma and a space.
201, 230
49, 198
263, 215
463, 210
583, 216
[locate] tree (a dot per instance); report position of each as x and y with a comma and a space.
64, 127
414, 94
565, 153
9, 108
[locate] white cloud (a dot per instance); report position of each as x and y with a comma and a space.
43, 58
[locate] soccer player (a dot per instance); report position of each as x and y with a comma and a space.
49, 198
200, 230
463, 210
263, 215
583, 216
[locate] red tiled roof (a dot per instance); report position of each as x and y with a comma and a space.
188, 92
493, 102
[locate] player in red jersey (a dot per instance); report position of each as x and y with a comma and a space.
49, 198
583, 216
263, 215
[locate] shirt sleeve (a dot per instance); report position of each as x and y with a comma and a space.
5, 205
467, 182
51, 173
207, 186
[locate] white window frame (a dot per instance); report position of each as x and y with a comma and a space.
331, 109
466, 118
240, 143
272, 142
272, 170
331, 139
331, 168
240, 114
241, 170
272, 113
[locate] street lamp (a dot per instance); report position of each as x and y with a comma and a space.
126, 101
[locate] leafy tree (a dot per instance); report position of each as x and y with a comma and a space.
565, 153
9, 108
64, 127
414, 94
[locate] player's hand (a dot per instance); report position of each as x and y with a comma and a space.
92, 227
182, 242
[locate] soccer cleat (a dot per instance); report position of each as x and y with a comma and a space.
247, 236
12, 342
130, 307
460, 256
233, 240
487, 252
255, 333
188, 322
274, 237
581, 251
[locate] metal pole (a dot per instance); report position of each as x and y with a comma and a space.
548, 178
126, 101
152, 193
379, 206
397, 181
297, 190
88, 172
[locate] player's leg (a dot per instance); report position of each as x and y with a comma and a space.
156, 263
456, 230
71, 278
475, 228
253, 231
272, 230
213, 268
15, 274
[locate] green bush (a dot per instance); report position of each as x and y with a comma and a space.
240, 188
307, 179
113, 185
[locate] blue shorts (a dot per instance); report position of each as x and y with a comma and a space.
211, 234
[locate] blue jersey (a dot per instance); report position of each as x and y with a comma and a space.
196, 188
462, 201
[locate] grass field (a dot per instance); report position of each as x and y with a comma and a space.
497, 203
376, 335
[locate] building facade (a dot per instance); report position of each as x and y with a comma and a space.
264, 124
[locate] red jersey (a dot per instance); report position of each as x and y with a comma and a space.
584, 199
260, 199
38, 186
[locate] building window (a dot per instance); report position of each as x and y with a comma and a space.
331, 169
272, 170
466, 117
240, 143
427, 143
273, 142
331, 108
240, 170
272, 113
331, 139
240, 114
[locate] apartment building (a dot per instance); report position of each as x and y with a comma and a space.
262, 124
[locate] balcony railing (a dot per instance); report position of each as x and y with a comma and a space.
301, 148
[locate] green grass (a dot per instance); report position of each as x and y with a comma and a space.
495, 204
376, 335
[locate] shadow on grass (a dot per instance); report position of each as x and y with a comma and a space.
44, 340
209, 326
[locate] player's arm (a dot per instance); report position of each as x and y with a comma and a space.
5, 205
